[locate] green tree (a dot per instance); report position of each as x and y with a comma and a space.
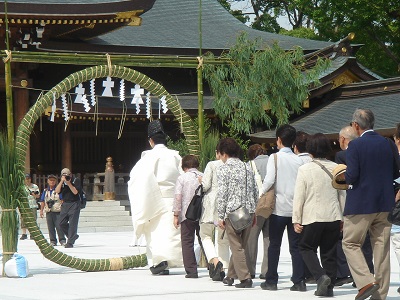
261, 84
376, 25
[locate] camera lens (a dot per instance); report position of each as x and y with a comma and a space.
68, 178
50, 203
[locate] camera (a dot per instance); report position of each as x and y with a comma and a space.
67, 178
50, 203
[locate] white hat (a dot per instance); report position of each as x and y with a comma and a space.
65, 171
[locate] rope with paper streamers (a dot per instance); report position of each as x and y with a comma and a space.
22, 144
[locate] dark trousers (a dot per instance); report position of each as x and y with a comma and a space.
188, 232
53, 225
325, 236
342, 266
277, 225
69, 218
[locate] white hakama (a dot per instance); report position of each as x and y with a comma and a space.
151, 192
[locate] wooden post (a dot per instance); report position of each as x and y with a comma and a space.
66, 159
109, 180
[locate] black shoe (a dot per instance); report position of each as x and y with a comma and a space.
247, 283
344, 280
322, 286
23, 237
191, 275
252, 276
262, 276
217, 270
165, 272
211, 270
68, 246
158, 268
398, 290
228, 281
269, 286
219, 277
299, 287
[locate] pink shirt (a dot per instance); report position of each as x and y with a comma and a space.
185, 186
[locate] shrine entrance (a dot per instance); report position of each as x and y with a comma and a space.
37, 110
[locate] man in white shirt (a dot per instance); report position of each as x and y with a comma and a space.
288, 164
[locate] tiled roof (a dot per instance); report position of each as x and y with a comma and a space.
45, 2
334, 116
174, 24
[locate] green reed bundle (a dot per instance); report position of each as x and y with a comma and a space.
11, 190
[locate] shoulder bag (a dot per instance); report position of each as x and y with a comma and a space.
266, 203
195, 207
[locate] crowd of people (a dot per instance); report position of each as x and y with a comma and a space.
336, 222
337, 233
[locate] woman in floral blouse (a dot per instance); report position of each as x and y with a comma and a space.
236, 187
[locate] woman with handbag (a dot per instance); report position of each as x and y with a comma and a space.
217, 258
317, 214
237, 197
185, 188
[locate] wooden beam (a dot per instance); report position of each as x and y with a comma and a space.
120, 59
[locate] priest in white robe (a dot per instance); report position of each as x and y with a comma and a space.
151, 193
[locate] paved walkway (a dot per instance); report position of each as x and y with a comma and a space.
51, 281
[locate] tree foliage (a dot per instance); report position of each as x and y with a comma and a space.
376, 24
261, 84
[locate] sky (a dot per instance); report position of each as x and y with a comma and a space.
246, 7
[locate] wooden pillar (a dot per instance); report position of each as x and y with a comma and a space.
66, 151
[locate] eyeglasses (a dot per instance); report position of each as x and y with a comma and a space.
352, 123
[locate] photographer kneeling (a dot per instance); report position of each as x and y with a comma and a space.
52, 207
71, 207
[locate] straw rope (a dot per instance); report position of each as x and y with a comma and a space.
116, 264
22, 142
8, 58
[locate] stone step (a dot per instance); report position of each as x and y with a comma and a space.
100, 216
104, 213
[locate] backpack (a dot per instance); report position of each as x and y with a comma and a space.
82, 196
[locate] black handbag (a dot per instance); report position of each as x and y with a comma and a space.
394, 214
195, 207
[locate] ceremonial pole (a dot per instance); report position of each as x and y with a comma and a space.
200, 84
7, 74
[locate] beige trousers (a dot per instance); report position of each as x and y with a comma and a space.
237, 241
354, 231
207, 234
